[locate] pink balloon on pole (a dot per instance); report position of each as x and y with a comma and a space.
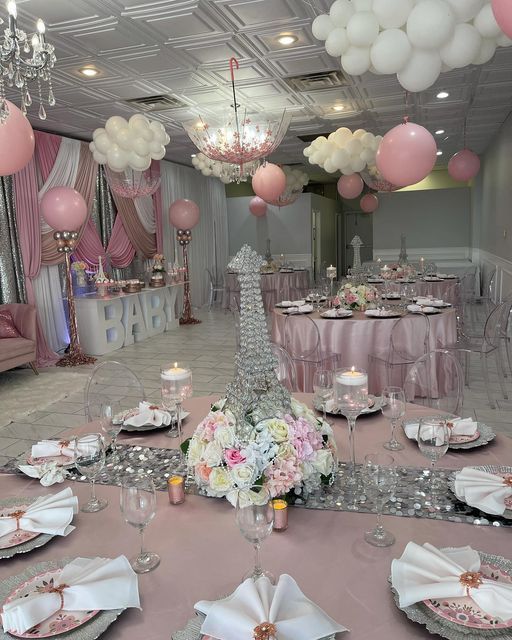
350, 186
16, 142
269, 182
407, 154
502, 10
464, 165
369, 203
63, 208
184, 214
258, 207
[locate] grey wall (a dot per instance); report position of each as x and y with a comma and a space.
430, 218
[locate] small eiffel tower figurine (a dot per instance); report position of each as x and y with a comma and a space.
255, 393
356, 243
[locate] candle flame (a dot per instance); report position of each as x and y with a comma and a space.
353, 369
175, 365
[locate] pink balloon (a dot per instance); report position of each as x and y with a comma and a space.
350, 186
184, 214
407, 154
63, 208
258, 207
502, 10
16, 142
369, 203
464, 165
269, 182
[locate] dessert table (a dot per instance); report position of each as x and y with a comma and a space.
204, 555
286, 285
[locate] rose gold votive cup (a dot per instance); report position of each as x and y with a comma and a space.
176, 489
280, 515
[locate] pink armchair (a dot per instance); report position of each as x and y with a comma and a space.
16, 351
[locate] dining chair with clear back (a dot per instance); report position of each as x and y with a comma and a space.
285, 369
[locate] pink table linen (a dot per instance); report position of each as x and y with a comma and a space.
275, 287
204, 556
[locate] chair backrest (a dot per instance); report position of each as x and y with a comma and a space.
301, 337
496, 323
489, 285
285, 368
410, 337
436, 380
112, 379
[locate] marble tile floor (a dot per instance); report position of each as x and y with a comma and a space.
209, 349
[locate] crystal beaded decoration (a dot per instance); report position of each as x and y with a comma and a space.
255, 393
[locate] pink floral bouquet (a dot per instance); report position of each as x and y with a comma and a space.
290, 455
396, 272
357, 297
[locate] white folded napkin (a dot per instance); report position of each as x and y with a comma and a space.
423, 301
483, 490
425, 572
47, 473
416, 308
305, 308
149, 414
286, 303
48, 514
459, 427
256, 602
298, 303
51, 448
337, 313
88, 584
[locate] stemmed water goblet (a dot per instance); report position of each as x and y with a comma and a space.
138, 506
393, 408
380, 479
90, 460
255, 519
176, 386
433, 441
322, 386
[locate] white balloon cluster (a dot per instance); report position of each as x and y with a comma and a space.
344, 151
225, 171
130, 143
416, 39
296, 180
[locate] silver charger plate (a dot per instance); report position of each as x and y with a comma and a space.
485, 431
88, 631
452, 631
489, 468
24, 547
377, 406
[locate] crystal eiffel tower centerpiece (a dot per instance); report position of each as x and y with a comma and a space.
356, 243
255, 392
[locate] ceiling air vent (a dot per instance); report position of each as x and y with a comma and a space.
156, 103
317, 81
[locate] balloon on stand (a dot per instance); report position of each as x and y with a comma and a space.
464, 165
502, 10
269, 181
184, 214
350, 186
369, 203
258, 207
63, 208
17, 141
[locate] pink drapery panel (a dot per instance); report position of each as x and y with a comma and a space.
47, 148
157, 205
120, 249
144, 242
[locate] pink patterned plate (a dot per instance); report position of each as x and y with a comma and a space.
465, 611
15, 538
455, 439
62, 461
60, 622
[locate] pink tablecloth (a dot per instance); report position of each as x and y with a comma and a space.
204, 555
275, 287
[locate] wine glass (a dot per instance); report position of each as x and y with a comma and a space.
138, 506
255, 519
322, 386
393, 408
111, 424
176, 386
90, 460
433, 441
380, 479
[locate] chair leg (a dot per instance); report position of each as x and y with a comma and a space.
509, 353
499, 363
34, 368
485, 371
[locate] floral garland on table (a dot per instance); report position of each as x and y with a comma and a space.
357, 297
290, 455
396, 271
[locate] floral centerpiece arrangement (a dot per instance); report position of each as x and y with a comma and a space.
79, 268
397, 271
357, 297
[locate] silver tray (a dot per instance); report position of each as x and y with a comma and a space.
489, 468
486, 435
436, 625
24, 547
88, 631
377, 406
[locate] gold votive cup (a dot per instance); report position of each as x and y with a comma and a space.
280, 515
176, 489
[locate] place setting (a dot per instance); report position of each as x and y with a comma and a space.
464, 433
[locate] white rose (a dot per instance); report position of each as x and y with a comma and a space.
212, 454
300, 410
220, 481
225, 436
243, 475
286, 450
323, 462
195, 450
278, 429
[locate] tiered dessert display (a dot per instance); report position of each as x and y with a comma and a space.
158, 272
101, 280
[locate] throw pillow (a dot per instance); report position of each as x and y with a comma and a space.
7, 326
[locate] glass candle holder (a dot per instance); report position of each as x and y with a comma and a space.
176, 489
176, 386
280, 515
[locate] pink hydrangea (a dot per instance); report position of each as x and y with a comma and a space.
282, 476
306, 440
234, 457
209, 428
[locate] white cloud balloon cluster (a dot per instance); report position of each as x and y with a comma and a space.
416, 39
133, 143
296, 179
344, 151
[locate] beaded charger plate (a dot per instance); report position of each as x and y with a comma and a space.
19, 541
497, 470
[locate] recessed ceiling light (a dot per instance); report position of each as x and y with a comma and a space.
90, 72
442, 95
286, 39
439, 132
439, 153
338, 107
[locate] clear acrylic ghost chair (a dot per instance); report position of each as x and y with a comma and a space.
436, 380
488, 297
285, 369
215, 287
114, 380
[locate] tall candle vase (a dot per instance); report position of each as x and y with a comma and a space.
187, 317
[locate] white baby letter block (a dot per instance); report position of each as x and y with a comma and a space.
153, 307
133, 320
100, 327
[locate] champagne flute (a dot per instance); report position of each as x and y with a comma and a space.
393, 408
255, 519
322, 386
380, 478
111, 424
433, 441
90, 460
138, 506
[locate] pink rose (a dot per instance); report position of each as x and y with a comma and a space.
351, 298
370, 295
203, 471
234, 457
336, 301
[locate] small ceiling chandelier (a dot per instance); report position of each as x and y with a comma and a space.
241, 137
18, 67
132, 184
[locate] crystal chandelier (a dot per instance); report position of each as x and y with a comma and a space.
132, 184
241, 137
18, 67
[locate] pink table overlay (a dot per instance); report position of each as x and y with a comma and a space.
275, 287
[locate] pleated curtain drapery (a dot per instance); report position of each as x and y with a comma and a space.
12, 279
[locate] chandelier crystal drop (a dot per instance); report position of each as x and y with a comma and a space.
25, 58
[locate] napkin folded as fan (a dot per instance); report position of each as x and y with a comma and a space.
47, 473
483, 490
52, 448
84, 584
48, 514
256, 602
425, 573
459, 427
149, 414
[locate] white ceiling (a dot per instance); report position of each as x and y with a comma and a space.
182, 48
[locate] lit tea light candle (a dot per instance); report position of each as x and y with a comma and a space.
352, 378
280, 515
176, 489
385, 268
331, 272
175, 373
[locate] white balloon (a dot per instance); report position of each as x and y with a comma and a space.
463, 47
392, 14
115, 123
430, 24
312, 160
362, 5
367, 140
140, 146
99, 157
146, 133
139, 163
156, 147
445, 68
341, 11
421, 71
390, 51
137, 121
465, 10
307, 151
329, 166
166, 140
362, 29
486, 24
347, 171
368, 155
359, 133
103, 143
340, 158
195, 161
124, 138
217, 170
503, 41
207, 172
225, 179
358, 165
97, 132
337, 42
486, 51
117, 159
322, 26
354, 147
356, 61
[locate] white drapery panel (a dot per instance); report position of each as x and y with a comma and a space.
209, 246
146, 213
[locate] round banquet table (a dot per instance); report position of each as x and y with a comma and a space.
439, 289
354, 339
275, 287
204, 555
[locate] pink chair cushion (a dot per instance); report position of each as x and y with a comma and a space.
7, 326
16, 347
